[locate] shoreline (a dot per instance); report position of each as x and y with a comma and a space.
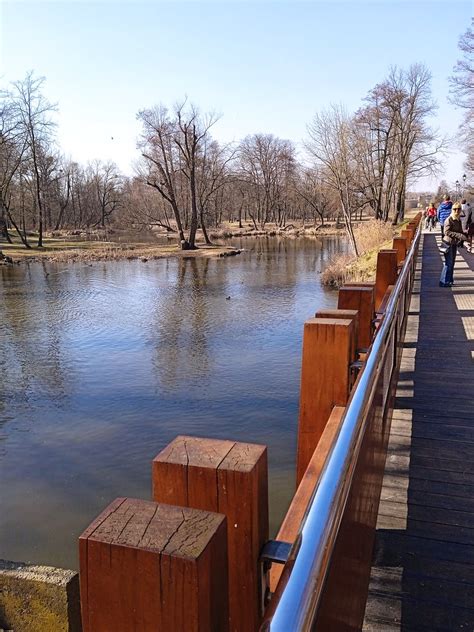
60, 250
108, 251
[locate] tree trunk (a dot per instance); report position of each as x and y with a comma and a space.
348, 224
400, 203
3, 224
40, 227
203, 227
23, 238
253, 220
183, 242
194, 212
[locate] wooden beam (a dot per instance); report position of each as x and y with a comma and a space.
408, 234
386, 274
230, 478
154, 568
362, 298
292, 521
400, 245
325, 381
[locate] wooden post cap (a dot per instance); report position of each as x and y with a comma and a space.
154, 568
231, 478
344, 314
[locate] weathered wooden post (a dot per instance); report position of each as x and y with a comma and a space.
325, 380
408, 233
154, 568
344, 314
413, 226
362, 299
230, 478
400, 245
385, 275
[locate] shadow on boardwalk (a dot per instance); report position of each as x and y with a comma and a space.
423, 573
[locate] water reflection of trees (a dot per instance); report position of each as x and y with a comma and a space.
31, 332
182, 323
282, 258
317, 250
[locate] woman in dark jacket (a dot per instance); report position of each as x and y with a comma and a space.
454, 236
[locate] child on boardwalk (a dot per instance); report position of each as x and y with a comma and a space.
430, 216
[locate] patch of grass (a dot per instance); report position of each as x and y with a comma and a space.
371, 237
60, 250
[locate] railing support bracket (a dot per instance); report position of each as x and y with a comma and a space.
273, 552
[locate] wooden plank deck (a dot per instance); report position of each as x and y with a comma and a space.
423, 572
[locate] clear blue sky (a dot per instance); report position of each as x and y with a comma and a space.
266, 66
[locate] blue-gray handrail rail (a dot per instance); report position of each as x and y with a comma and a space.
313, 547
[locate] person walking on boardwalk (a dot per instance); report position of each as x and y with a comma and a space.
470, 234
444, 210
431, 216
454, 237
467, 221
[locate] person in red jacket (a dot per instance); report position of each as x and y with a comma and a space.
431, 216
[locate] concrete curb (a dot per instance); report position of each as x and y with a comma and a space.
38, 598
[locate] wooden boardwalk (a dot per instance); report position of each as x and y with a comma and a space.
423, 573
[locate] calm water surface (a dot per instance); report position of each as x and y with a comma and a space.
102, 365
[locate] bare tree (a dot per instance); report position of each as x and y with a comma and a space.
106, 184
314, 196
462, 93
36, 125
12, 154
171, 146
331, 146
266, 164
393, 142
213, 175
417, 148
374, 131
63, 190
142, 207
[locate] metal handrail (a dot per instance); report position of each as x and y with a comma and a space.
313, 547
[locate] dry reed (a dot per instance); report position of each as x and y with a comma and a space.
370, 237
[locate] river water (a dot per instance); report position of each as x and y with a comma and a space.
102, 365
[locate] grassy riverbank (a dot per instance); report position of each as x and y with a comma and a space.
99, 246
371, 237
59, 250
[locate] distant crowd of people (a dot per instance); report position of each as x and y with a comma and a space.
457, 229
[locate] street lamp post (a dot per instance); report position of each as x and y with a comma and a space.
464, 185
458, 188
